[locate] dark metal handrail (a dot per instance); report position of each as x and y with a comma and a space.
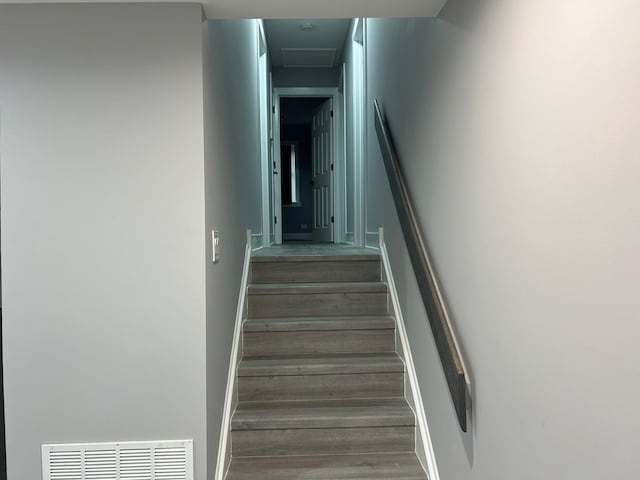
448, 348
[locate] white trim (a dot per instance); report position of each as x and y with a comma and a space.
340, 174
305, 91
276, 194
359, 107
264, 112
257, 241
224, 447
339, 158
424, 446
372, 239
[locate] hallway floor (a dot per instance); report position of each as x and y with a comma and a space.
313, 249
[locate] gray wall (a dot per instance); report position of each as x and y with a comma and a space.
102, 227
305, 77
517, 131
232, 190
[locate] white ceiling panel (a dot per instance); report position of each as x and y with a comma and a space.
306, 42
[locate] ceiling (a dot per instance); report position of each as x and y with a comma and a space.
306, 43
295, 8
321, 9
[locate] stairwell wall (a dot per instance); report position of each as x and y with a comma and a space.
515, 124
102, 227
232, 185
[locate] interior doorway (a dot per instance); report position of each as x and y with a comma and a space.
306, 174
303, 180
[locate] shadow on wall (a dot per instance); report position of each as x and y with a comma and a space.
464, 15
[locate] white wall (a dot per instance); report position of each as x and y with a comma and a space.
349, 131
354, 118
306, 77
102, 227
232, 190
516, 125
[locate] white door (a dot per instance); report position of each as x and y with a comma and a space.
276, 182
322, 167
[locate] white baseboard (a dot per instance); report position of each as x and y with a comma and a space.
257, 241
297, 236
424, 446
230, 400
372, 239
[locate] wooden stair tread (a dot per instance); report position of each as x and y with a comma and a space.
314, 323
315, 288
350, 257
395, 466
323, 414
320, 365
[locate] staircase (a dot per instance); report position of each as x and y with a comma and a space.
320, 387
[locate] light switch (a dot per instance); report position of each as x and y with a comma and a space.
216, 245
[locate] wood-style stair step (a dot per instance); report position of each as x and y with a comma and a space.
379, 466
320, 377
380, 412
296, 268
318, 335
316, 287
309, 299
320, 365
298, 324
322, 427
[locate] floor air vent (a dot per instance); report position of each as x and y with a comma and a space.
165, 460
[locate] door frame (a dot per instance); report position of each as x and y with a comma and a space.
359, 128
264, 105
338, 186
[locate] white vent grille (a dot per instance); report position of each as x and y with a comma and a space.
165, 460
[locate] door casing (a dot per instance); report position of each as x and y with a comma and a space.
339, 173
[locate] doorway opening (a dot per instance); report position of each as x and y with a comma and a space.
306, 173
305, 176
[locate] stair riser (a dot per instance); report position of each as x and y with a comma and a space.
394, 466
322, 441
320, 342
309, 387
317, 304
327, 271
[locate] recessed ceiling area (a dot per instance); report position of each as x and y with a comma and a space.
306, 43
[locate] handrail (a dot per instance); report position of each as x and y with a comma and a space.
448, 348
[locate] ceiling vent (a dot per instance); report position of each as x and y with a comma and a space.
308, 57
159, 460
